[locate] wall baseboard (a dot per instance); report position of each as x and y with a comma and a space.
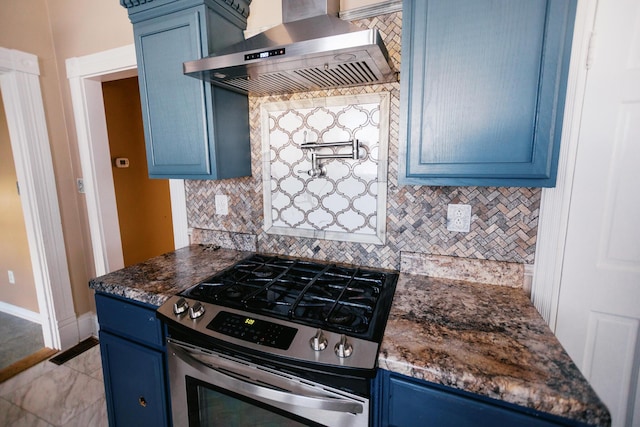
88, 325
20, 312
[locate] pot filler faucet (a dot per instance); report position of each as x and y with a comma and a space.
319, 170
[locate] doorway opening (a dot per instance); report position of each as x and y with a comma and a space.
29, 140
86, 75
20, 326
143, 204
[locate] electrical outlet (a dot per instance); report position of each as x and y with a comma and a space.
222, 204
12, 277
459, 218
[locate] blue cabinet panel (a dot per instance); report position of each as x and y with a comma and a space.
134, 322
174, 128
134, 383
133, 363
406, 402
185, 133
482, 91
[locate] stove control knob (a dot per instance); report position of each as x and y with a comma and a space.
319, 341
196, 311
343, 348
180, 306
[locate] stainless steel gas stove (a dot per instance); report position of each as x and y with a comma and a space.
241, 335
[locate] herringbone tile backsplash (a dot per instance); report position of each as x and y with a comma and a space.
504, 220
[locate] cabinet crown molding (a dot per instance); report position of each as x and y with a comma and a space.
239, 6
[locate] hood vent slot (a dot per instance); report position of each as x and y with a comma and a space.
266, 84
343, 75
315, 78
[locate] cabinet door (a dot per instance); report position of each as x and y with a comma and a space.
134, 383
173, 104
482, 87
406, 402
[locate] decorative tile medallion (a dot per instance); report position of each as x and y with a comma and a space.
327, 198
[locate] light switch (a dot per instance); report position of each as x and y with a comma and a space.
122, 162
222, 204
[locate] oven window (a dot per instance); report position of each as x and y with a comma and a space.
213, 406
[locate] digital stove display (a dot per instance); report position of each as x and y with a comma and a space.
253, 330
327, 296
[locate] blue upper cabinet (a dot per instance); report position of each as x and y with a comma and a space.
483, 84
192, 129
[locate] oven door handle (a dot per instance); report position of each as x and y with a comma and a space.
251, 389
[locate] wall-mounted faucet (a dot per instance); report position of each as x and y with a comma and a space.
319, 170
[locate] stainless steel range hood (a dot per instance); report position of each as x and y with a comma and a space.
313, 49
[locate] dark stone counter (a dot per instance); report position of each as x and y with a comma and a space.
484, 339
488, 340
159, 278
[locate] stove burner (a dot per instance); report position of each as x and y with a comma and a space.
233, 292
267, 273
341, 318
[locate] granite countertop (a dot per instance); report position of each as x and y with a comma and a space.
159, 278
480, 338
488, 340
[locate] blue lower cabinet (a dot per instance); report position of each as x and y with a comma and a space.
134, 383
401, 401
133, 363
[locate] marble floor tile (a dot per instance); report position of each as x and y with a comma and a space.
26, 377
94, 416
87, 362
97, 374
48, 395
14, 416
58, 396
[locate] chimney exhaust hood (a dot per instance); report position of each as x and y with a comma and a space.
313, 49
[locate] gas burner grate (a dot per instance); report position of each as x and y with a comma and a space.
324, 295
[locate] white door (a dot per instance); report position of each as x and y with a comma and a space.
598, 318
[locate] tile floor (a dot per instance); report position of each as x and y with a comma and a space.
18, 339
46, 395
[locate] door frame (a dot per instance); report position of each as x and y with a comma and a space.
22, 97
554, 206
85, 75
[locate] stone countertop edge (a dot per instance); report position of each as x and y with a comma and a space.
488, 340
159, 278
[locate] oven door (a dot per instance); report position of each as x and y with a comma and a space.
212, 389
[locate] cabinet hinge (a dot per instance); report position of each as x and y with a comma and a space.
591, 51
